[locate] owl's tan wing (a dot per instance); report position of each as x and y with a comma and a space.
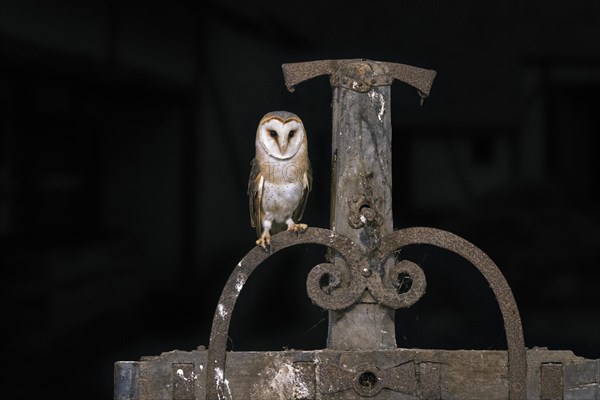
255, 192
307, 183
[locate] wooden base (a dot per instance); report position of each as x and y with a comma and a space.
383, 374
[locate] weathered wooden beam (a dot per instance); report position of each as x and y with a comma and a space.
330, 374
362, 168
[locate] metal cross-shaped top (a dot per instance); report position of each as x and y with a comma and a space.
359, 74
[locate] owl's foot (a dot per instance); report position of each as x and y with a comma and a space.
298, 228
264, 241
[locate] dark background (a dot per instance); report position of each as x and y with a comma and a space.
126, 132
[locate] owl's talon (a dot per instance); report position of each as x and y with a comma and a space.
298, 228
265, 242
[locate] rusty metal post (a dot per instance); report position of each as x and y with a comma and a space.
361, 187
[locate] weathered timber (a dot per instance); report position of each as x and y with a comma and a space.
330, 374
361, 208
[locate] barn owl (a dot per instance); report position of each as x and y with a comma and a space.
281, 176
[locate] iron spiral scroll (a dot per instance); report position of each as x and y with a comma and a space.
349, 281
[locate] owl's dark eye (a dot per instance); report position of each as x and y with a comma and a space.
292, 133
273, 133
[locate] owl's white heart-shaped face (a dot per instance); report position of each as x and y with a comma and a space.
281, 139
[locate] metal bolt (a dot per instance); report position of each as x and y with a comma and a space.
368, 213
366, 272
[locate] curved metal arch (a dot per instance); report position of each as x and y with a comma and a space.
216, 384
517, 361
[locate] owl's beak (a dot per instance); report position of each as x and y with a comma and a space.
283, 146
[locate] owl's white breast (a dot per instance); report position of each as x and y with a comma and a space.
280, 200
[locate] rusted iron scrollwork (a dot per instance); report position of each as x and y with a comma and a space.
328, 286
397, 293
332, 287
335, 288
